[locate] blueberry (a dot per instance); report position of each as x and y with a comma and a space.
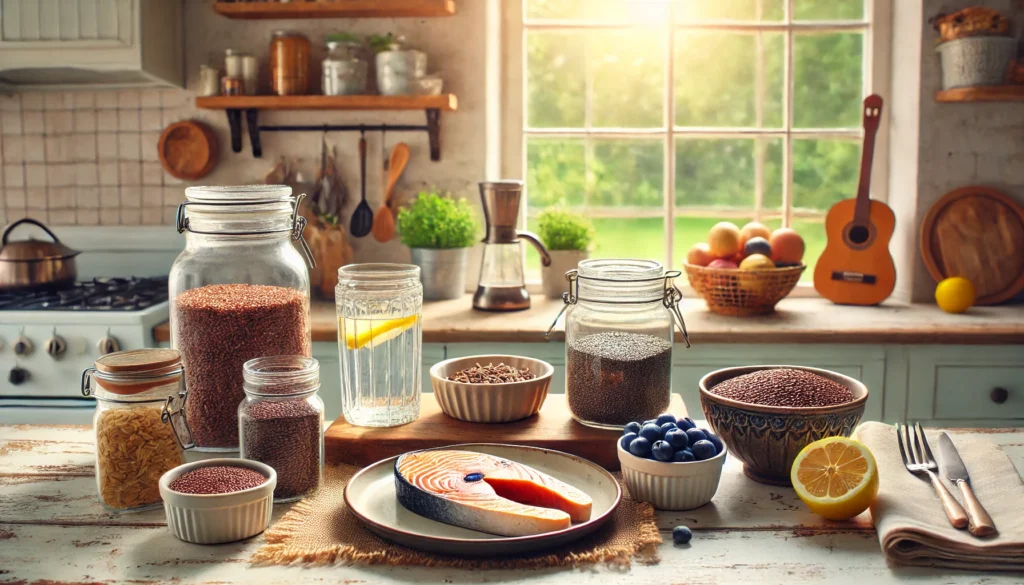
640, 447
665, 428
703, 449
666, 418
684, 456
695, 435
633, 427
677, 439
715, 441
649, 422
686, 423
662, 451
626, 440
651, 432
681, 535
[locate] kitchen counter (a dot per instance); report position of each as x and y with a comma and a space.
53, 530
796, 320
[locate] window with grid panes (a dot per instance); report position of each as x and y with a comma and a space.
659, 118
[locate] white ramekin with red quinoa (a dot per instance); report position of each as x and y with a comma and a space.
218, 500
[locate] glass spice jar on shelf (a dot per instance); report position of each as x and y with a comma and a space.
289, 63
380, 342
619, 320
136, 442
344, 73
281, 422
239, 290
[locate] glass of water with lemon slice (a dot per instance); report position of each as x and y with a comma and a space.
380, 343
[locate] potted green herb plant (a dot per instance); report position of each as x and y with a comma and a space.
567, 237
439, 230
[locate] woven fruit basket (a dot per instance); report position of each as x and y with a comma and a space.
731, 291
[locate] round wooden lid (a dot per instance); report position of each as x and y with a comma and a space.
976, 233
188, 149
138, 360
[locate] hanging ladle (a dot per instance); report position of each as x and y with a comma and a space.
362, 217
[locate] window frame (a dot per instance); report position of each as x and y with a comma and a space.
876, 27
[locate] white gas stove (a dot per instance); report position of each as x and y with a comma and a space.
47, 338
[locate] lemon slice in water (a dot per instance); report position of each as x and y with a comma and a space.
362, 332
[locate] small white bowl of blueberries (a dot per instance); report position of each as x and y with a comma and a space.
671, 463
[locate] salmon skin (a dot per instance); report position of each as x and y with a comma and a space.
487, 493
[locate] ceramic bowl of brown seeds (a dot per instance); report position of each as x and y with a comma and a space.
767, 414
491, 388
212, 501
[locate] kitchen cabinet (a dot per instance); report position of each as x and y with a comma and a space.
62, 44
975, 385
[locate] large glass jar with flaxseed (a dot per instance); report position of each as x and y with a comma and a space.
619, 330
238, 291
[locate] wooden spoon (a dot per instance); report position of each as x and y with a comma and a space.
384, 221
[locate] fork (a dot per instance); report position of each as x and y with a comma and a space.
918, 459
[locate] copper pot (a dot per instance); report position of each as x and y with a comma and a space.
33, 264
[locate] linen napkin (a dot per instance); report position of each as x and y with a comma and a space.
912, 527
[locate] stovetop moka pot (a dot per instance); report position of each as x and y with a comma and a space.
502, 286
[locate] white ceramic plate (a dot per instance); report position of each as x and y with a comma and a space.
370, 494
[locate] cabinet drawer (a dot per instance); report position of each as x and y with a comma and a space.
966, 392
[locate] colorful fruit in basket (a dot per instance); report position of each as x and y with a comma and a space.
787, 246
955, 294
836, 477
723, 263
757, 262
757, 245
724, 239
754, 230
700, 254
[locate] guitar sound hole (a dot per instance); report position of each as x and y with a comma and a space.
859, 234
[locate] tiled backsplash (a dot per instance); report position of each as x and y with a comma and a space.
88, 157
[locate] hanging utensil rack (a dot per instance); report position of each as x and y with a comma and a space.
250, 106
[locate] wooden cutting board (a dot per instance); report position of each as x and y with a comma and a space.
976, 233
551, 428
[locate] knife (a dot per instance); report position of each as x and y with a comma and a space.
953, 466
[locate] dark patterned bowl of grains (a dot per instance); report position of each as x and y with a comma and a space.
491, 388
767, 414
218, 500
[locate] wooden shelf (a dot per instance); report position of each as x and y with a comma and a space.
336, 9
251, 105
984, 93
446, 102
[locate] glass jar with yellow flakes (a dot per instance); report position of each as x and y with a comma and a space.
139, 423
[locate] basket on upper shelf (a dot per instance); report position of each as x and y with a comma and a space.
736, 292
976, 21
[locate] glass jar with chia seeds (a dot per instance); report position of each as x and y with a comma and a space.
380, 343
281, 422
136, 440
619, 324
238, 291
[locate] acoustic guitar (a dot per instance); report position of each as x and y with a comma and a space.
856, 267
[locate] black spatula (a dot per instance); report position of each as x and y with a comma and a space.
362, 217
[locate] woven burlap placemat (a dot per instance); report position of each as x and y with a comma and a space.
322, 531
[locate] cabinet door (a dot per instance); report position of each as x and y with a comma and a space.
39, 24
864, 363
967, 385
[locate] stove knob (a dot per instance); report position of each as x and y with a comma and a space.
56, 346
22, 346
17, 375
108, 344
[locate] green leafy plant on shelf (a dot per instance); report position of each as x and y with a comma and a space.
437, 221
563, 230
344, 38
388, 42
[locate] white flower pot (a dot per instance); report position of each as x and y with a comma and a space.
553, 277
442, 272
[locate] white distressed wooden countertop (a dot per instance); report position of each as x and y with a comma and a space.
53, 530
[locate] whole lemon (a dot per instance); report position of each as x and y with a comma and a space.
955, 294
757, 262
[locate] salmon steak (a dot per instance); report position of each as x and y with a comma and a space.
487, 493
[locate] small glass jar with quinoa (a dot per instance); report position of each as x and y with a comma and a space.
281, 422
238, 291
619, 333
136, 442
